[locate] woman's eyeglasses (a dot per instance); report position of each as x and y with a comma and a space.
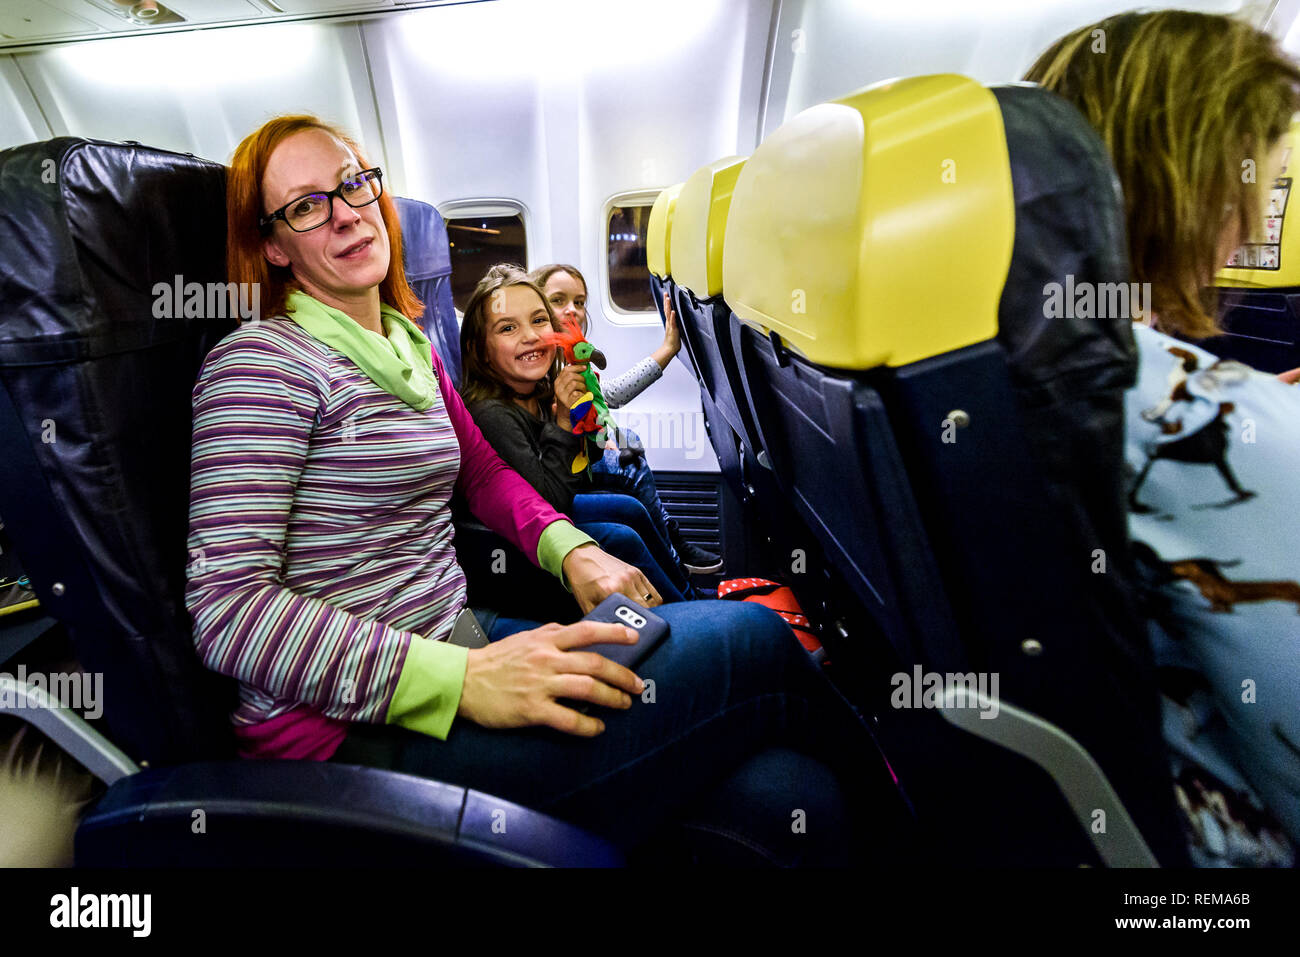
317, 209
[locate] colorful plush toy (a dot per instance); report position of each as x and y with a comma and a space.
589, 414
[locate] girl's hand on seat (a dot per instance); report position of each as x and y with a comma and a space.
514, 682
594, 575
672, 336
1290, 377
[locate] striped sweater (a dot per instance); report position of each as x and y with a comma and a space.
321, 540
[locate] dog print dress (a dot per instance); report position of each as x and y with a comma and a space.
1214, 507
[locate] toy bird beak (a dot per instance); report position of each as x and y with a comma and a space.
597, 358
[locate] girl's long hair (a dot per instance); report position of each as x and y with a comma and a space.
1183, 101
245, 261
477, 381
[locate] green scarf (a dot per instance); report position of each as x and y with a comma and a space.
399, 363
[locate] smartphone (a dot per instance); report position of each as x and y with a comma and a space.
621, 610
467, 632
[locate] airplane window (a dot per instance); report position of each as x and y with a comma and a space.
629, 276
477, 244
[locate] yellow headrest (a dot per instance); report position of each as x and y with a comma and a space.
1273, 259
657, 230
700, 224
877, 228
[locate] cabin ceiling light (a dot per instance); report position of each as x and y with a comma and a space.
141, 12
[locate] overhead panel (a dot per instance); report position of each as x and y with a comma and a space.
25, 23
215, 11
331, 6
32, 19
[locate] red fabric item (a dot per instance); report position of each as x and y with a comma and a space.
777, 597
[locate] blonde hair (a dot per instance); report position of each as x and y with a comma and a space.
1182, 100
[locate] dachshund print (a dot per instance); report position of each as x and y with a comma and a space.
1207, 445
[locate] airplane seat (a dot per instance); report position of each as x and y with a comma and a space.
737, 463
726, 445
658, 229
695, 218
100, 344
112, 296
426, 256
659, 263
1068, 370
696, 227
888, 260
691, 326
726, 451
1259, 288
698, 224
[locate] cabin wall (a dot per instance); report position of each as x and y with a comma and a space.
824, 49
561, 114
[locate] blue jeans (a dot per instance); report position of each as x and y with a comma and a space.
590, 509
739, 747
636, 480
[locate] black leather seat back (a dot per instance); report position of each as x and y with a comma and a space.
96, 374
1069, 374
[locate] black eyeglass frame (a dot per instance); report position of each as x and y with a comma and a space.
264, 223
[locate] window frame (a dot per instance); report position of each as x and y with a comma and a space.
487, 206
491, 206
613, 312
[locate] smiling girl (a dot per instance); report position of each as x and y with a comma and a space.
566, 290
519, 394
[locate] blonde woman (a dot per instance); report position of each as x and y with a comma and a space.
1184, 102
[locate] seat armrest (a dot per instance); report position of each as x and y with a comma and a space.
1080, 779
67, 729
313, 813
488, 560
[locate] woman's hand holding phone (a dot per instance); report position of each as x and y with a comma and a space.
514, 682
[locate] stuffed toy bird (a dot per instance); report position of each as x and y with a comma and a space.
589, 414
